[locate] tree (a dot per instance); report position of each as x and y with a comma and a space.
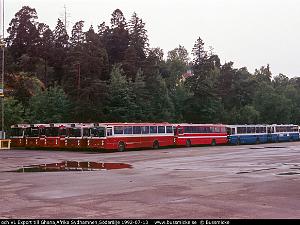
179, 54
120, 105
117, 40
45, 50
49, 106
23, 33
138, 37
22, 86
13, 112
77, 37
60, 51
176, 66
263, 74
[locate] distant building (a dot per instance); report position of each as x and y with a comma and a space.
186, 75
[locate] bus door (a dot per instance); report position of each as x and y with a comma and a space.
109, 140
62, 132
178, 133
270, 131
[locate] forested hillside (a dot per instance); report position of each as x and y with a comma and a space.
110, 73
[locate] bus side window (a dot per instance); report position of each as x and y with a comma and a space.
109, 131
128, 130
180, 131
161, 129
137, 130
169, 129
153, 129
145, 129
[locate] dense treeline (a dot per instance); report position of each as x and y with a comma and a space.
112, 74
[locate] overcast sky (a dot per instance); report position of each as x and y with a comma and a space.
250, 33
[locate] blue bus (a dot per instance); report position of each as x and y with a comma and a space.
255, 134
280, 132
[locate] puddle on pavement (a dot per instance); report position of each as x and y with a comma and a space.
288, 173
72, 166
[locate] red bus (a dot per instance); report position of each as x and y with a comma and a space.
17, 135
121, 136
200, 134
35, 135
77, 135
55, 135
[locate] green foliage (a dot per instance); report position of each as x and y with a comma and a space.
120, 100
13, 112
49, 106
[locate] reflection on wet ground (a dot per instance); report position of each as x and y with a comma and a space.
72, 166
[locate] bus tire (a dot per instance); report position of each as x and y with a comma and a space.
213, 142
121, 146
156, 145
188, 143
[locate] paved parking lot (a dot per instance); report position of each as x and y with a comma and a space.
254, 181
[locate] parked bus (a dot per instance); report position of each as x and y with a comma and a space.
200, 134
121, 136
283, 132
17, 135
247, 134
76, 135
55, 135
35, 135
255, 134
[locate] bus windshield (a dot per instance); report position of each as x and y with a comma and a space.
16, 132
98, 132
31, 132
51, 131
74, 132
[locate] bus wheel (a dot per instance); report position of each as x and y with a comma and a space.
155, 145
121, 146
213, 143
188, 143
